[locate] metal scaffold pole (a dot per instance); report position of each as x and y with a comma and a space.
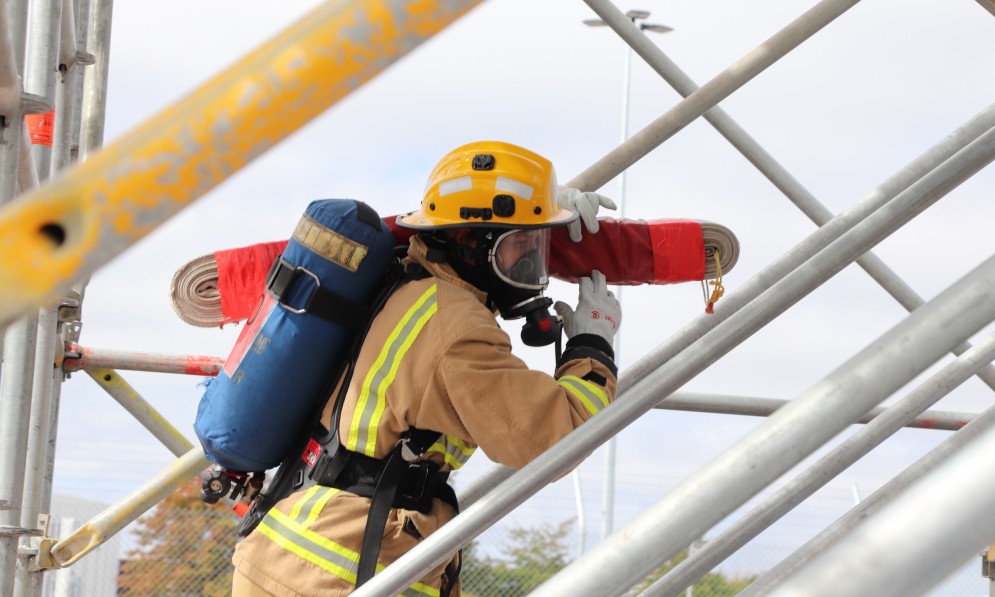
870, 506
764, 407
761, 159
667, 379
15, 409
828, 467
710, 94
818, 240
916, 540
163, 165
790, 261
798, 429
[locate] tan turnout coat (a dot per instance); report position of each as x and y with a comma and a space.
435, 358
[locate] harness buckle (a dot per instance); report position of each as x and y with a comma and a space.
417, 484
282, 275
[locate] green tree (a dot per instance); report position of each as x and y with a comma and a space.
184, 548
710, 585
534, 556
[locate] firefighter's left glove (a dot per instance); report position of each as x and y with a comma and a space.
584, 204
597, 312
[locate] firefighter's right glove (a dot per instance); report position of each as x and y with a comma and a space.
597, 311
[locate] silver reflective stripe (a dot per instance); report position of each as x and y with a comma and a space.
514, 187
310, 546
448, 187
453, 449
373, 396
323, 552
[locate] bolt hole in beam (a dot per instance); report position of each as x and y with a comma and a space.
53, 232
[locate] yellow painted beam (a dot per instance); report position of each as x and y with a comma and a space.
66, 230
105, 525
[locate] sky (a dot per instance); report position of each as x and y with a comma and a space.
842, 113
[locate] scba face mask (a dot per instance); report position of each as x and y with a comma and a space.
519, 263
520, 258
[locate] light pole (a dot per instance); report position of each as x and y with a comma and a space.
638, 17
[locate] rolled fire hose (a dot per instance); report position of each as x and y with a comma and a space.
628, 252
194, 293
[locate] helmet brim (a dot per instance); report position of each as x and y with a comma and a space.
419, 220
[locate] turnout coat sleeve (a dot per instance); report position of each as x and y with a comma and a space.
510, 411
435, 358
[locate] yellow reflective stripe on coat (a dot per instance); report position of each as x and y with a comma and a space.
590, 394
453, 449
321, 551
307, 509
373, 397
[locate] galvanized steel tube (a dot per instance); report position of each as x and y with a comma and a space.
41, 64
608, 557
80, 357
868, 507
139, 408
818, 240
763, 161
94, 108
764, 407
911, 544
105, 525
710, 94
828, 467
68, 229
36, 458
15, 410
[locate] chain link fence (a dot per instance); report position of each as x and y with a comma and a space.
183, 548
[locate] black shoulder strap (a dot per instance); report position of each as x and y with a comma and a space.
404, 453
293, 469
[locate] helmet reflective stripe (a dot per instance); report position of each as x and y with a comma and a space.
448, 187
490, 184
373, 397
511, 186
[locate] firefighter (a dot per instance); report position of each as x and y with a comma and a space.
435, 379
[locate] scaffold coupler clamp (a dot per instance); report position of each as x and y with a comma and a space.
37, 550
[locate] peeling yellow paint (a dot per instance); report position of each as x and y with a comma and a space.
69, 228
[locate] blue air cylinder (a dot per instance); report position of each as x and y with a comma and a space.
281, 367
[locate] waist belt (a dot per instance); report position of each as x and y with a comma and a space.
393, 481
417, 482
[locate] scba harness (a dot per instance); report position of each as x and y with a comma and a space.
399, 480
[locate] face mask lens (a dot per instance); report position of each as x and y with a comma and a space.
520, 256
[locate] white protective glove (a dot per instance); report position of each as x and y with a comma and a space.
598, 311
585, 204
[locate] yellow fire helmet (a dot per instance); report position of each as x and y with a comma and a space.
490, 184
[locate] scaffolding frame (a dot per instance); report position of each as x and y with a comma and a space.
176, 154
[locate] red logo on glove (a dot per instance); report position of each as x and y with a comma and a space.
595, 315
